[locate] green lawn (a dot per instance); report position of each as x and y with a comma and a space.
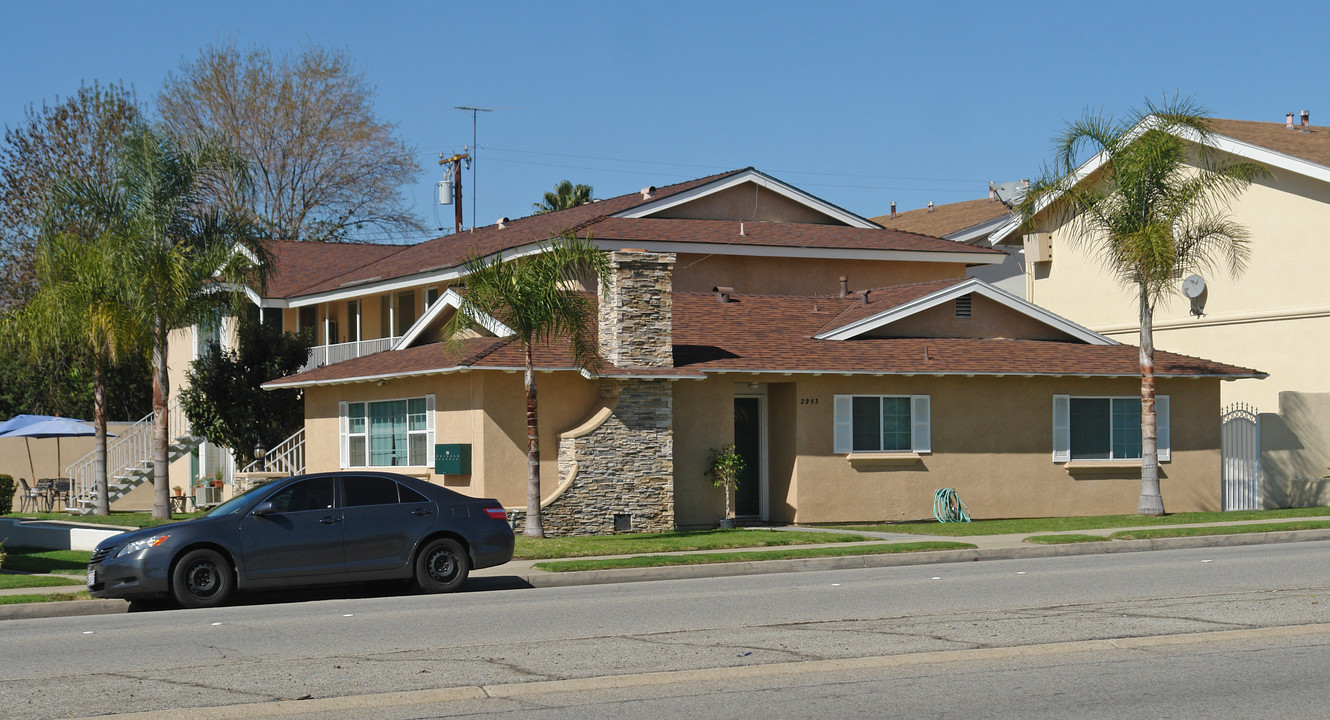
126, 519
50, 597
59, 562
703, 559
9, 582
1096, 522
1153, 533
567, 547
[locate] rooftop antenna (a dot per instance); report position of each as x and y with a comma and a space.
474, 152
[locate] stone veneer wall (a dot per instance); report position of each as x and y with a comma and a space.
636, 312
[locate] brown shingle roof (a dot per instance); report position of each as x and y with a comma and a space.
298, 265
1313, 145
768, 333
945, 219
454, 250
772, 234
873, 301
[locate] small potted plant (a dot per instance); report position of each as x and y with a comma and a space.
217, 479
178, 490
724, 468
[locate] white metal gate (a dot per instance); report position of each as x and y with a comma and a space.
1241, 443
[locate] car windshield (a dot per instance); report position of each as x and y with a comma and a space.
233, 506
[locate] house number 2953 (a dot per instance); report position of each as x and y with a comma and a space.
807, 401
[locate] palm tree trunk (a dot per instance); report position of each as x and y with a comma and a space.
161, 478
1151, 503
103, 506
534, 527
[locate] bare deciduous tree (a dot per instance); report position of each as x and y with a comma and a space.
76, 140
324, 167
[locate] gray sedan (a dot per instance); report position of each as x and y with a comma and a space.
309, 530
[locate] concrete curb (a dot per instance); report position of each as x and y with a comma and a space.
541, 579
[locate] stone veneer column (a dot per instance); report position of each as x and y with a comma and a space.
636, 312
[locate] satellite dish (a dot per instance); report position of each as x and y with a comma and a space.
1193, 286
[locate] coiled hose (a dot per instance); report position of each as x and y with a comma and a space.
947, 507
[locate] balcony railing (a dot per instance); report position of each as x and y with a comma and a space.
321, 355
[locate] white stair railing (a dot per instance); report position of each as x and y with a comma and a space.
321, 355
128, 449
287, 458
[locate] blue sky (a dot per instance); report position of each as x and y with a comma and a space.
861, 104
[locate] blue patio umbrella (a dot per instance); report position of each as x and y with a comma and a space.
45, 426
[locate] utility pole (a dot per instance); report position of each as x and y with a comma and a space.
474, 148
456, 161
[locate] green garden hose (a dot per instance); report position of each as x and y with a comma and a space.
947, 507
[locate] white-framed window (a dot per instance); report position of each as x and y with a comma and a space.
1105, 428
387, 433
882, 424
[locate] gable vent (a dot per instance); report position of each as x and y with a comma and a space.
965, 306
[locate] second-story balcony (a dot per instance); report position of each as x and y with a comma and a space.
321, 355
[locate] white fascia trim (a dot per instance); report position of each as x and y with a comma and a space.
762, 180
969, 285
925, 373
1257, 153
451, 299
684, 248
977, 232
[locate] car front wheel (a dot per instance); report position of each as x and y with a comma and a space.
202, 578
441, 566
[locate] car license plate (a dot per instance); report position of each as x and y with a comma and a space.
92, 576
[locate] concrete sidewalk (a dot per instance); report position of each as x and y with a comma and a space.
522, 573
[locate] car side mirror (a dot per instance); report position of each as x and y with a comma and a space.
264, 508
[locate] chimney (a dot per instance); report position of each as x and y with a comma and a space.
1306, 119
930, 206
635, 313
722, 293
845, 283
992, 192
893, 210
1288, 121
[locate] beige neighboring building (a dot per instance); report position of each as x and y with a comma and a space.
1275, 316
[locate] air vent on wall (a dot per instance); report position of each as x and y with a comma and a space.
964, 306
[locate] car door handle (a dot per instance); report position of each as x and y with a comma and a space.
420, 512
330, 520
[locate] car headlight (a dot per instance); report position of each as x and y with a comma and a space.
145, 543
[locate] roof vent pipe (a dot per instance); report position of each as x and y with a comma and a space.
1288, 121
845, 284
1306, 119
893, 210
930, 206
741, 227
992, 192
502, 223
722, 293
647, 191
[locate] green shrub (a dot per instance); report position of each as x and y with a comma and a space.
6, 494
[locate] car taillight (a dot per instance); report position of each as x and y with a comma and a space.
496, 512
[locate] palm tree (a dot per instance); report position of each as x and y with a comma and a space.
1155, 209
566, 195
179, 251
82, 301
536, 298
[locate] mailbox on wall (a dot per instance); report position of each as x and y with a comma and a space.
452, 459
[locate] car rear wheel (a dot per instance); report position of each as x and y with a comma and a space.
202, 578
441, 566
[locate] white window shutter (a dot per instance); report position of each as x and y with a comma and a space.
429, 427
1162, 429
844, 441
1061, 428
343, 444
921, 424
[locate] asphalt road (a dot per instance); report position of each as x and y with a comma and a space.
780, 644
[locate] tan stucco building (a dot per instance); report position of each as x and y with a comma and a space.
1275, 315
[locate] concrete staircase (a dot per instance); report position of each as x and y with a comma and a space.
128, 461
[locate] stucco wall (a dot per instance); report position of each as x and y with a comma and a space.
485, 409
988, 319
800, 276
1295, 473
747, 202
991, 441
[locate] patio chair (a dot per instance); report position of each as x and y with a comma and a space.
27, 502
